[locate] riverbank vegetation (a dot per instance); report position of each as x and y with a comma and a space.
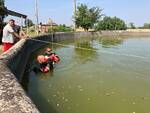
92, 18
59, 28
86, 17
111, 23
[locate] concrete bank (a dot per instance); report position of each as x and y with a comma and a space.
13, 98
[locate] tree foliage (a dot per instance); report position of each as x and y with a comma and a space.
2, 3
132, 26
86, 17
29, 22
111, 23
146, 26
2, 6
60, 28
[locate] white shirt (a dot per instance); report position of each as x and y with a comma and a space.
7, 34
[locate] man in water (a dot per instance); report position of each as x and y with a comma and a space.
52, 56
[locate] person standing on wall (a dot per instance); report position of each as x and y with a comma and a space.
9, 35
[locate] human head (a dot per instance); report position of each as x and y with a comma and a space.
41, 58
48, 50
11, 22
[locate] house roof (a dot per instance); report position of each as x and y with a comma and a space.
52, 24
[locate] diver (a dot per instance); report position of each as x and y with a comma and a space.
44, 63
47, 60
52, 56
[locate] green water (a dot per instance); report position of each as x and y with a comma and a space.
111, 76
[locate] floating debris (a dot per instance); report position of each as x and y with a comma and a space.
79, 86
112, 92
133, 103
66, 100
54, 95
63, 98
57, 105
108, 94
81, 90
89, 99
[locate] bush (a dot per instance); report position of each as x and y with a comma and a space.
60, 28
111, 23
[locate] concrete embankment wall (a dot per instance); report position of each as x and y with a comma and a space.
13, 98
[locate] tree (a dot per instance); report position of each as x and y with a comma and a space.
2, 3
85, 17
146, 26
28, 22
2, 6
132, 26
111, 23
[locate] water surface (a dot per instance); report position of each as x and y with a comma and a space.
96, 75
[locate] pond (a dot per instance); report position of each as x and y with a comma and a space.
95, 75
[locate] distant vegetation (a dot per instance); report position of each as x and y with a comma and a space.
111, 23
131, 26
60, 28
2, 5
146, 26
29, 23
2, 2
86, 17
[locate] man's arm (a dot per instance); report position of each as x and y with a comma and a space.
16, 35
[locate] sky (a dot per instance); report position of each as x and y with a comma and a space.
61, 11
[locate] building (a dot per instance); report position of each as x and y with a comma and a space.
43, 28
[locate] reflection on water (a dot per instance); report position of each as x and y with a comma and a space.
82, 53
94, 81
109, 42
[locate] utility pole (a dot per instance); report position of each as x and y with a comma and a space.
37, 17
75, 12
